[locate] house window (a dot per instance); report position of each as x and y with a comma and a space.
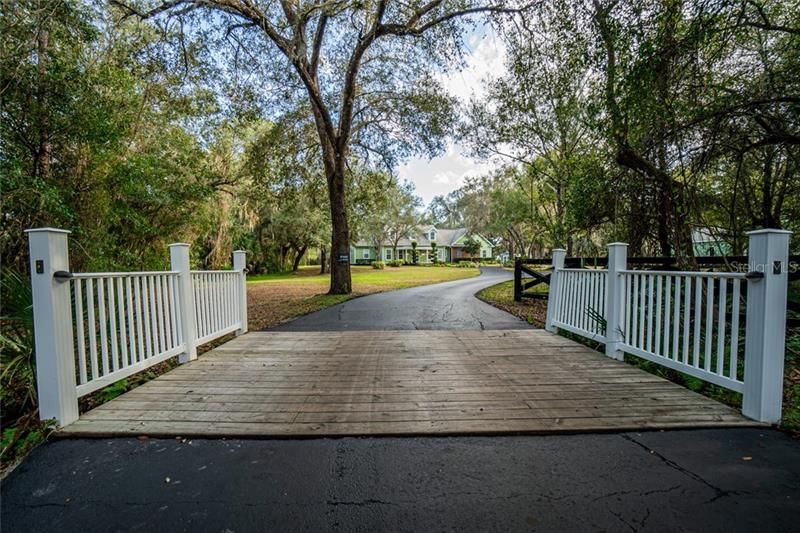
432, 236
484, 253
366, 253
389, 254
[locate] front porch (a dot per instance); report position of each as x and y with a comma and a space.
274, 384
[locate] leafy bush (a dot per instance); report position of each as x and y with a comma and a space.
22, 429
467, 264
378, 265
395, 263
18, 377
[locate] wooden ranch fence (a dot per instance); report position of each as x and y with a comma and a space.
688, 321
527, 267
93, 329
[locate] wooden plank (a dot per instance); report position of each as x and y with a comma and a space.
417, 414
368, 383
447, 427
275, 397
180, 404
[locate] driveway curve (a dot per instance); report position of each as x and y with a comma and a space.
449, 305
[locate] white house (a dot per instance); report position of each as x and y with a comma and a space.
449, 247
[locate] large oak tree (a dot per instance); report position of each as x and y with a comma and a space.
355, 62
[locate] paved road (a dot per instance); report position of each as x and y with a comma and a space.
662, 481
448, 305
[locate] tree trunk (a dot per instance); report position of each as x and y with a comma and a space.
298, 257
45, 148
284, 254
322, 259
340, 234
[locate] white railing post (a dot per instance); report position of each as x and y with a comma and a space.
52, 325
179, 261
768, 253
554, 292
240, 265
617, 261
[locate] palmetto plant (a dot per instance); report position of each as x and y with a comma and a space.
598, 318
18, 373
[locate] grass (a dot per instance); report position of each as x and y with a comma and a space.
534, 312
365, 276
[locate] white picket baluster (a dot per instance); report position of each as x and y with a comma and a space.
112, 315
687, 282
665, 347
709, 323
698, 301
148, 322
131, 324
650, 307
141, 355
101, 305
676, 321
92, 328
722, 309
123, 332
80, 334
734, 360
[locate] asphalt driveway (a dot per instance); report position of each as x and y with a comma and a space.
449, 305
706, 480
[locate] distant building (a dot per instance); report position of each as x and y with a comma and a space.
449, 247
704, 243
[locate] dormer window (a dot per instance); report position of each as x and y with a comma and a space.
432, 235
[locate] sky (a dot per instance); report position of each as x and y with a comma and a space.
447, 172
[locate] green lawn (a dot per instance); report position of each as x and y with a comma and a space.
390, 278
529, 310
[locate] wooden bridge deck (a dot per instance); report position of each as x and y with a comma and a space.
283, 384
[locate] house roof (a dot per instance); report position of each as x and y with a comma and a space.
444, 237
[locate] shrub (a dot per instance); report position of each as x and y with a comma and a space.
378, 265
467, 264
395, 263
18, 378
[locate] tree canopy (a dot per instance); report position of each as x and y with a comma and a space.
642, 122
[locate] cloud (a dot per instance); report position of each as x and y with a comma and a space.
442, 174
448, 172
486, 60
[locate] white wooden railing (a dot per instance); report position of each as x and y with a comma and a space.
216, 303
123, 322
93, 329
581, 305
681, 320
687, 321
